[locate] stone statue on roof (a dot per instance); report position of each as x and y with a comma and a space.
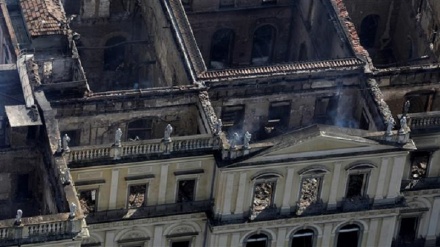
167, 134
247, 139
406, 108
218, 127
72, 209
66, 140
18, 217
234, 139
118, 136
390, 126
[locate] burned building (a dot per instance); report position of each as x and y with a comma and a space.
219, 123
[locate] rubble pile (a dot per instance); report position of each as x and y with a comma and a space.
309, 194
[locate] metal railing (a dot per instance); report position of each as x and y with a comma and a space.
357, 203
149, 211
420, 184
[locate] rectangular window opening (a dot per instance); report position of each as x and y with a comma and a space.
279, 115
263, 197
137, 195
140, 129
186, 190
310, 189
326, 109
232, 118
419, 164
87, 200
408, 229
186, 243
356, 185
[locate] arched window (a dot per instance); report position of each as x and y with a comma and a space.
221, 48
303, 238
368, 33
263, 41
349, 236
257, 240
114, 53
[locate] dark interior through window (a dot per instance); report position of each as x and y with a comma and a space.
257, 240
303, 238
355, 185
186, 190
221, 48
348, 236
114, 54
262, 45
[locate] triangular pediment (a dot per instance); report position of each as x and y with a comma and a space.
322, 144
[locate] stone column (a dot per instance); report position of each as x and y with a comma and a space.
241, 193
109, 238
158, 232
235, 240
228, 194
285, 208
281, 237
334, 187
372, 232
163, 184
382, 177
387, 231
396, 177
113, 189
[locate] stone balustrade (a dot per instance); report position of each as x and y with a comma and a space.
144, 148
39, 229
424, 120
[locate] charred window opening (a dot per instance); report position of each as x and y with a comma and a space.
186, 4
263, 197
139, 129
356, 185
434, 34
268, 1
23, 191
221, 48
114, 54
185, 243
365, 122
257, 240
74, 136
303, 238
420, 101
303, 52
227, 3
419, 164
368, 33
349, 235
232, 118
408, 229
87, 200
326, 109
279, 116
263, 41
310, 189
186, 190
137, 195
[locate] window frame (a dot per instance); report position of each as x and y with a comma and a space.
365, 182
268, 239
145, 129
89, 188
314, 236
413, 156
271, 45
237, 124
259, 180
187, 177
137, 183
360, 236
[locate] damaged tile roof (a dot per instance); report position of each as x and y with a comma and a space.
43, 17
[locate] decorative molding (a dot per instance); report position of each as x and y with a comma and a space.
189, 172
139, 170
140, 177
90, 182
89, 175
